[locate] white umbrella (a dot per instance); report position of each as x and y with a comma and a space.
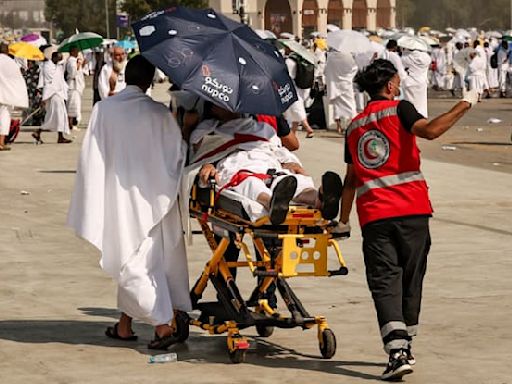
450, 30
299, 50
430, 40
265, 34
332, 28
286, 35
48, 51
413, 43
494, 34
347, 40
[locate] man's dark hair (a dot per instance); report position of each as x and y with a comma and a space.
139, 72
486, 44
459, 45
392, 44
375, 76
476, 43
504, 44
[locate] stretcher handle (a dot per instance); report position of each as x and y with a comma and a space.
265, 273
342, 271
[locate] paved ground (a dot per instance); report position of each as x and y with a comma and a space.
55, 302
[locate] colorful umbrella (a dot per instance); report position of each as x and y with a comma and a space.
218, 59
82, 40
25, 50
126, 44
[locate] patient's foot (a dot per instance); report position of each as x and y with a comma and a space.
330, 195
281, 197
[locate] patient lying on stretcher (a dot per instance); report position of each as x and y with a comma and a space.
260, 168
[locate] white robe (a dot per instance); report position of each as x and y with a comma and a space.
125, 203
103, 81
492, 73
55, 93
415, 86
477, 74
439, 75
13, 91
297, 111
340, 70
76, 85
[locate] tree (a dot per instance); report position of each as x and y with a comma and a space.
84, 15
138, 8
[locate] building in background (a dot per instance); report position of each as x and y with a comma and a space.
21, 16
301, 17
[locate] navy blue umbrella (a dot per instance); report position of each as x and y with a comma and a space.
217, 58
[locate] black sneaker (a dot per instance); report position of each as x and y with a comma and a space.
282, 195
410, 357
398, 366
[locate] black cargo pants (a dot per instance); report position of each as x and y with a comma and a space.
395, 255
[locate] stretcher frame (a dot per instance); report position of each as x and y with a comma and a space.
290, 250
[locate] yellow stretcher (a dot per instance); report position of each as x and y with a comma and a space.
298, 247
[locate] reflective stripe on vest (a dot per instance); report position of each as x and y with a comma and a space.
389, 181
371, 118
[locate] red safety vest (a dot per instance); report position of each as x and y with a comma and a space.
386, 162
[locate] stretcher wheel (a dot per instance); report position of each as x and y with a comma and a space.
265, 330
182, 326
237, 356
328, 345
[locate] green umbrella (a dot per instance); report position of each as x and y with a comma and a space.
506, 38
303, 52
82, 40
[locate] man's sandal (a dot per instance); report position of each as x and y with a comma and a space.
114, 334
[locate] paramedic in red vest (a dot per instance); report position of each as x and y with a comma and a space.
383, 170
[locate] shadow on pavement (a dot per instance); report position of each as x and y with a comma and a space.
58, 171
199, 348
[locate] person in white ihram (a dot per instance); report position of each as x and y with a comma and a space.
76, 85
415, 85
112, 77
125, 203
13, 93
55, 94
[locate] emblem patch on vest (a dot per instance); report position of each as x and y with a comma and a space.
373, 149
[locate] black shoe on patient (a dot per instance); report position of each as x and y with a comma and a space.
330, 195
283, 193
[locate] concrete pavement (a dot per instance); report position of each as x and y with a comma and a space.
55, 302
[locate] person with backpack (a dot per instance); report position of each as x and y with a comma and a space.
302, 77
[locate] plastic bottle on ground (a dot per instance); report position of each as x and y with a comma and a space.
164, 358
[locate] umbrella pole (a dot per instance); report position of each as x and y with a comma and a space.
106, 19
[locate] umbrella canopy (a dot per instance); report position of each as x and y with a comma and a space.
347, 40
305, 53
126, 44
217, 58
332, 28
286, 35
430, 40
82, 40
265, 34
34, 39
494, 34
414, 43
25, 50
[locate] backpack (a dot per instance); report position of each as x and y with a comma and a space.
305, 76
494, 60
